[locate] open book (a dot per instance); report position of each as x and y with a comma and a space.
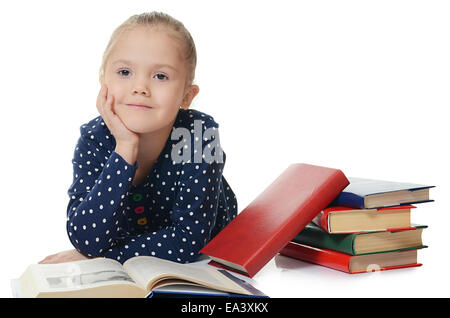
138, 277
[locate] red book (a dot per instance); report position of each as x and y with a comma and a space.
349, 263
276, 216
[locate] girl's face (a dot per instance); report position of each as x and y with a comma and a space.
145, 67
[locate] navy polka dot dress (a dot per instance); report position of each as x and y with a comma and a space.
172, 214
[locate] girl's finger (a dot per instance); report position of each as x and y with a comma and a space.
106, 115
104, 97
107, 111
101, 98
110, 104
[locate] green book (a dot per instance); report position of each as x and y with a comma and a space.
363, 242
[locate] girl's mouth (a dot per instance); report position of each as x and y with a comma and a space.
139, 106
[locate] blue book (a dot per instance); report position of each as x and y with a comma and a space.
191, 291
369, 193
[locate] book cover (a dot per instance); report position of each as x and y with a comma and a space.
183, 291
313, 235
348, 263
356, 193
279, 213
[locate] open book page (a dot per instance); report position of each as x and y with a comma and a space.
152, 272
85, 274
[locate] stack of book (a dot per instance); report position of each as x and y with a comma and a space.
366, 228
360, 224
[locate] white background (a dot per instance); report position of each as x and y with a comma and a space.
362, 86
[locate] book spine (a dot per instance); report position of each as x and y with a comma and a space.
317, 237
350, 200
324, 221
327, 258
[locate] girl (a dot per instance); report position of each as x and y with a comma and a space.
129, 195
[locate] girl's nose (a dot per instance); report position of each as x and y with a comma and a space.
141, 90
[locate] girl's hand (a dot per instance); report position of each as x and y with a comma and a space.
121, 133
63, 257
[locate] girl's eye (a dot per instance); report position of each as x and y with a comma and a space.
161, 76
124, 74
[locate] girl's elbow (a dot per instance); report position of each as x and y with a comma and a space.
82, 243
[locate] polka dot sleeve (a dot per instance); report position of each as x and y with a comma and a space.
93, 222
193, 219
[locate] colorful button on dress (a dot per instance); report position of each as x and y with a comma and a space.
172, 214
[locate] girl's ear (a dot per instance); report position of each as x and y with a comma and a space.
191, 92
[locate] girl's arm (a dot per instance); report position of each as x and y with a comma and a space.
93, 222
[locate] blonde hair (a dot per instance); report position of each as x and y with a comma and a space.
155, 19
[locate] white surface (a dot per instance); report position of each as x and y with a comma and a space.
358, 85
289, 278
